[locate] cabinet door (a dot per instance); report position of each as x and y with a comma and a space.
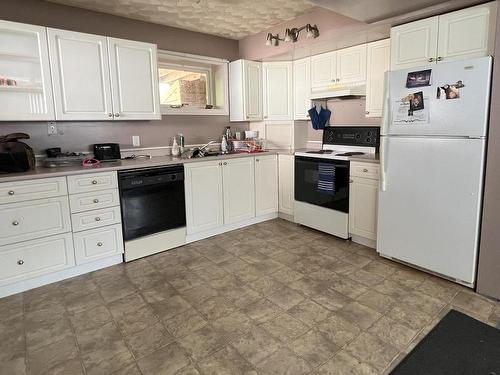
286, 184
323, 71
467, 33
363, 204
204, 199
24, 59
278, 91
301, 88
80, 73
253, 90
414, 44
378, 61
351, 64
134, 79
266, 184
239, 189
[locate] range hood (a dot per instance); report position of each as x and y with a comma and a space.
339, 90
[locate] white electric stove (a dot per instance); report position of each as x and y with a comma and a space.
322, 178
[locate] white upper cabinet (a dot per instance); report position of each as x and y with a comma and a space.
414, 44
80, 73
467, 33
278, 90
301, 88
351, 65
378, 62
100, 78
266, 184
323, 71
26, 93
245, 90
134, 80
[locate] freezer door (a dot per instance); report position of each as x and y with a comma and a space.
466, 115
429, 206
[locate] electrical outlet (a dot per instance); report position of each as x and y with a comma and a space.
51, 128
136, 140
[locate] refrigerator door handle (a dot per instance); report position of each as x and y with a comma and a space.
383, 160
386, 105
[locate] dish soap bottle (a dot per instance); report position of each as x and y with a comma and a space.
176, 150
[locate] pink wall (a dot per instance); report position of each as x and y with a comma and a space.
78, 136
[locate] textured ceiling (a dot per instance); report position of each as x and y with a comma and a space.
233, 19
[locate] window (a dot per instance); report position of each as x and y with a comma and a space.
192, 84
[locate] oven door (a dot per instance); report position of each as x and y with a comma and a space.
307, 187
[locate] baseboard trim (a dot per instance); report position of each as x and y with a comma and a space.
285, 216
364, 241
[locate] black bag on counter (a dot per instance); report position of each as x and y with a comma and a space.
15, 156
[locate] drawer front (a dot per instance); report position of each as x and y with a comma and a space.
94, 244
36, 258
95, 219
94, 200
84, 183
366, 170
34, 219
11, 192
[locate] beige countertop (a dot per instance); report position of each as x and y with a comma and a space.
155, 161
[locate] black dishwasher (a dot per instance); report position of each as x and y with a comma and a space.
152, 200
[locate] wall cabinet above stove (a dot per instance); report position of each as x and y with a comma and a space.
101, 78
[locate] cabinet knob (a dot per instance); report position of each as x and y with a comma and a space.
430, 59
257, 160
117, 114
220, 163
338, 79
333, 80
225, 163
15, 223
20, 262
351, 181
110, 114
365, 170
96, 200
248, 117
367, 112
265, 116
11, 192
99, 244
97, 218
94, 182
439, 58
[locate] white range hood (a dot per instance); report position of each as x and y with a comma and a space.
336, 91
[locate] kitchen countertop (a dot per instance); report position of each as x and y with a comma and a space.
155, 161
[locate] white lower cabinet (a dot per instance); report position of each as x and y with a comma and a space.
266, 185
286, 184
363, 200
98, 243
34, 258
238, 176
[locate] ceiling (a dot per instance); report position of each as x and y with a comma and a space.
233, 19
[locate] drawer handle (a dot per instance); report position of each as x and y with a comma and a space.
99, 244
430, 59
15, 223
94, 182
96, 200
11, 192
97, 218
365, 170
20, 262
225, 163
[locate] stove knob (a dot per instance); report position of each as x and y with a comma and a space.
368, 140
358, 136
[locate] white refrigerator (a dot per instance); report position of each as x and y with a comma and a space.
432, 165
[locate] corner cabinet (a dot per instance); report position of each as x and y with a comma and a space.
286, 184
278, 90
363, 202
24, 62
464, 34
301, 88
245, 91
100, 78
266, 184
377, 63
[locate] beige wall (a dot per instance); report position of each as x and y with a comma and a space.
488, 281
79, 136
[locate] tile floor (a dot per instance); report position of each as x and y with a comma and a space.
273, 298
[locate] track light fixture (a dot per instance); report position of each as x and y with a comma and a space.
292, 35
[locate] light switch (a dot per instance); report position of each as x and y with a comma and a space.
136, 140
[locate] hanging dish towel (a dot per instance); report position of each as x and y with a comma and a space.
319, 120
326, 178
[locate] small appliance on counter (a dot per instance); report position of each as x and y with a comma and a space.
15, 156
107, 151
56, 158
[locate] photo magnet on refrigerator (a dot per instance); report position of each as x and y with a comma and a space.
419, 79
